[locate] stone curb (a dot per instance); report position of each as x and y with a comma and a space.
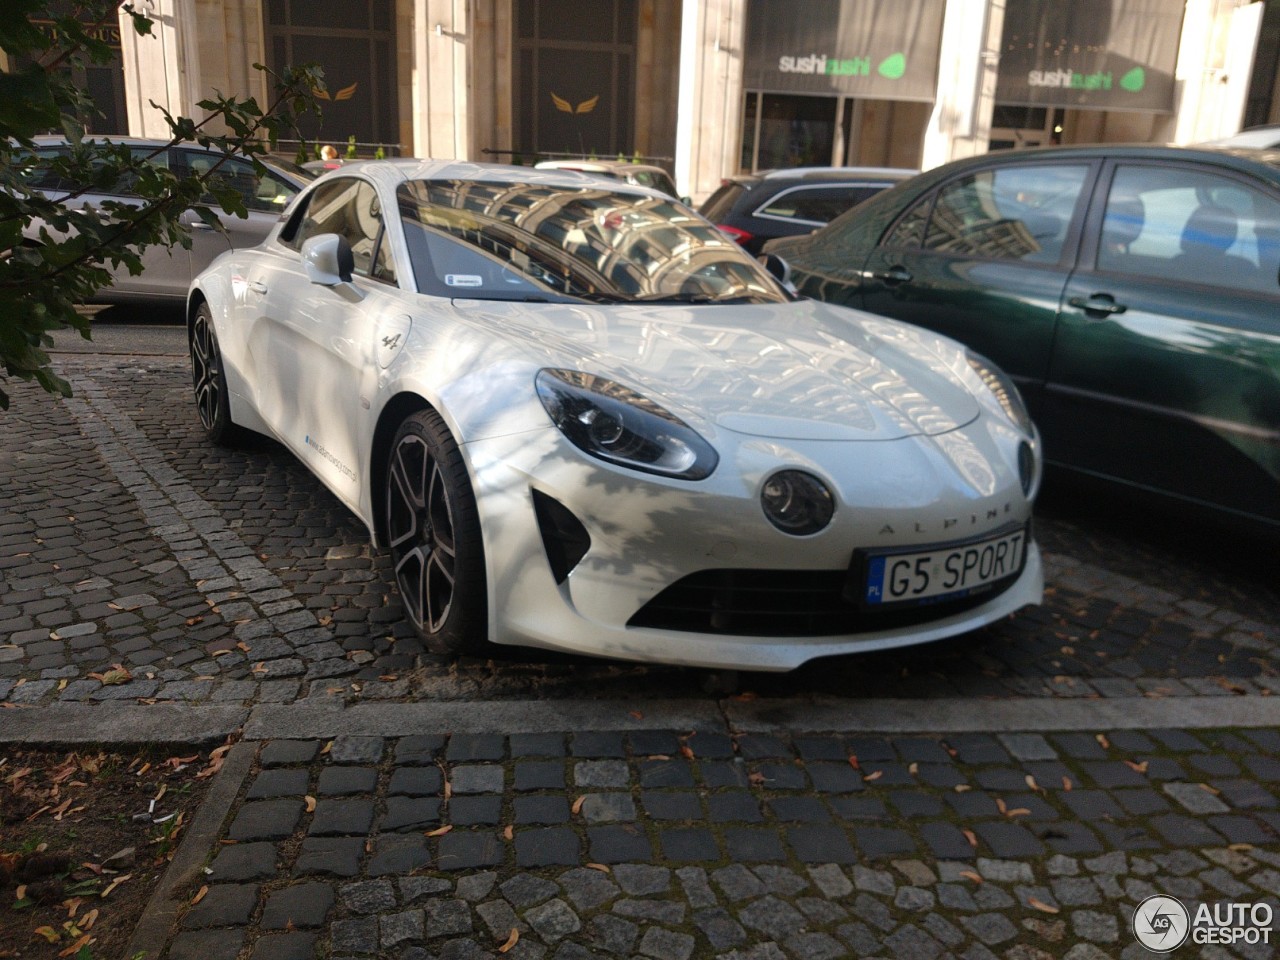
176, 723
161, 912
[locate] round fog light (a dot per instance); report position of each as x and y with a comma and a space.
1026, 467
797, 503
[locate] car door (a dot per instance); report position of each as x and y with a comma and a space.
1166, 371
265, 198
984, 259
166, 271
318, 342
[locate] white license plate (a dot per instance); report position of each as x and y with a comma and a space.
947, 570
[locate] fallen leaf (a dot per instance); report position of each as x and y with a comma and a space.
746, 696
1031, 782
440, 831
311, 803
1066, 783
50, 934
577, 805
1018, 812
599, 866
637, 715
1042, 906
113, 677
115, 883
970, 875
1208, 789
77, 946
875, 775
853, 761
1001, 806
913, 769
756, 779
21, 894
1138, 767
242, 646
962, 788
200, 894
508, 833
973, 841
512, 940
324, 751
1103, 741
1240, 847
88, 920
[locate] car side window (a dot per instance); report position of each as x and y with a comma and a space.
1008, 213
815, 204
268, 193
908, 232
1180, 224
349, 208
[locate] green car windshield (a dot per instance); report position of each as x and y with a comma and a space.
535, 242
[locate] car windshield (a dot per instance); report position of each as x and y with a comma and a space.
519, 241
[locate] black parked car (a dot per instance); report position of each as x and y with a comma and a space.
753, 208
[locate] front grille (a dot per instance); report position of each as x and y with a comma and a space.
783, 603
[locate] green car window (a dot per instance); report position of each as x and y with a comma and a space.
1175, 223
1013, 212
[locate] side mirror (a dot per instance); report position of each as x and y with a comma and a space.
328, 259
779, 269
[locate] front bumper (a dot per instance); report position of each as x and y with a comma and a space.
648, 533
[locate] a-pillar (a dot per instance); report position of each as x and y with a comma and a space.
968, 62
163, 66
709, 119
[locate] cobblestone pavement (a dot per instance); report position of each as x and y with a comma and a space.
232, 577
693, 844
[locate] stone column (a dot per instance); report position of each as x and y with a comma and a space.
441, 95
709, 121
163, 66
960, 125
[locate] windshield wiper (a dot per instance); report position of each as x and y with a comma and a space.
691, 298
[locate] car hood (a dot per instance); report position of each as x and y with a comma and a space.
798, 371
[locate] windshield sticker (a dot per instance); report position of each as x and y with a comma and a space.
463, 280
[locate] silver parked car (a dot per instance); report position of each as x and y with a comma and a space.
167, 272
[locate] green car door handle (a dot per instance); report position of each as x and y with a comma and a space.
893, 276
1099, 305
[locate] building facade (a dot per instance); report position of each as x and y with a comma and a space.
714, 87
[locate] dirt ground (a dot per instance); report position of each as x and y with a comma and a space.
85, 835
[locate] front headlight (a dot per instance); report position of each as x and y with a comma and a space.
616, 424
1003, 389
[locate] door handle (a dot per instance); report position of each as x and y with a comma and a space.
198, 225
1099, 305
257, 286
893, 276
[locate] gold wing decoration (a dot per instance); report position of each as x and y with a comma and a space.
346, 93
586, 106
563, 105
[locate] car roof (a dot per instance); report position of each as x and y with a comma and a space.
825, 175
619, 166
393, 172
1244, 158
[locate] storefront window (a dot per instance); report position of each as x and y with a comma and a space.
796, 131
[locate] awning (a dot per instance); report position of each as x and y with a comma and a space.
1095, 54
877, 49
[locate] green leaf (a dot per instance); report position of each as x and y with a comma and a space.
1134, 80
27, 106
893, 67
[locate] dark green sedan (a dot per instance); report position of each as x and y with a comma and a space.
1132, 291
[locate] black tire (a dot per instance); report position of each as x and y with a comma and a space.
208, 382
433, 533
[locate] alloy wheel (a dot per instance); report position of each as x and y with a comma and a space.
206, 374
421, 533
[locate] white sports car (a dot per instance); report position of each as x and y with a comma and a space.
580, 417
